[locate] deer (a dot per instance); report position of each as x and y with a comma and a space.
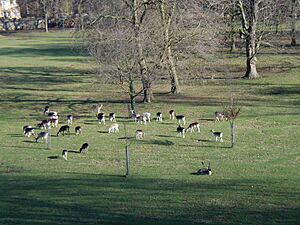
181, 131
63, 129
147, 115
54, 122
112, 117
172, 114
220, 116
77, 130
139, 134
65, 154
84, 148
180, 119
45, 124
98, 108
70, 119
194, 126
101, 118
218, 135
28, 130
159, 116
205, 170
42, 136
113, 128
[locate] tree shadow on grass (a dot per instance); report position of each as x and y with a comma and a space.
101, 197
156, 142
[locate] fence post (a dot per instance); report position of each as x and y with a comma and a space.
127, 161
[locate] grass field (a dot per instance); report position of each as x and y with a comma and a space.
256, 182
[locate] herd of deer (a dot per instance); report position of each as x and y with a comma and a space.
52, 121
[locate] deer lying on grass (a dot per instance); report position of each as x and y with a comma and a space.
65, 154
63, 129
159, 116
77, 130
113, 128
101, 118
218, 135
42, 136
205, 170
84, 148
194, 126
70, 119
139, 134
181, 131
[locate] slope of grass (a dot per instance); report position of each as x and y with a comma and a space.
256, 182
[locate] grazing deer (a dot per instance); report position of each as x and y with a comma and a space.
181, 131
84, 148
52, 114
193, 126
113, 128
218, 135
28, 131
45, 124
77, 130
25, 127
180, 119
42, 136
140, 119
65, 154
220, 116
70, 119
159, 116
112, 117
205, 170
54, 122
63, 129
147, 115
139, 134
101, 118
172, 114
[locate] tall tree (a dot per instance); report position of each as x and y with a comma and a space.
167, 11
294, 10
256, 16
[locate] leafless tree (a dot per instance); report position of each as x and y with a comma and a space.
295, 4
256, 17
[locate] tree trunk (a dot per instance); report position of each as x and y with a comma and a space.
232, 41
232, 133
46, 21
252, 44
166, 19
232, 28
293, 23
175, 87
251, 72
132, 93
141, 59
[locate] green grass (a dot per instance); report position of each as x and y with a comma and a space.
256, 182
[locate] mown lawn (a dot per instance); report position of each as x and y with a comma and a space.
256, 182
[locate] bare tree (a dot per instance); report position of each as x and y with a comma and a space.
256, 16
294, 10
